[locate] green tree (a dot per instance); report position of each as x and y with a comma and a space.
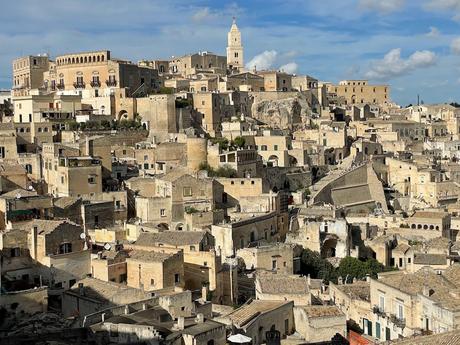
225, 171
222, 142
239, 142
312, 263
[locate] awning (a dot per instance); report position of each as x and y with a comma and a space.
239, 339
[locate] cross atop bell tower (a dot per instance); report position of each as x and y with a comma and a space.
234, 48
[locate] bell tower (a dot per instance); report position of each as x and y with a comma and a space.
234, 48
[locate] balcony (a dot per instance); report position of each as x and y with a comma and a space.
111, 82
79, 85
95, 83
60, 86
398, 322
377, 310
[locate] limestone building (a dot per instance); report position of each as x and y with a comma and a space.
359, 92
28, 73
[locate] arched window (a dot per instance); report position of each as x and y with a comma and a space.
65, 248
86, 59
73, 60
102, 58
98, 58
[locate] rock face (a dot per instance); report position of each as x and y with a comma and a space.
286, 113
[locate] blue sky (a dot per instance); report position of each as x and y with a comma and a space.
413, 45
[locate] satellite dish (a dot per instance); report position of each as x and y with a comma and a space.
82, 235
107, 246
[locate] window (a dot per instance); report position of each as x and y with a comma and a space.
162, 212
286, 326
91, 179
152, 281
15, 252
192, 248
2, 152
176, 278
377, 330
65, 248
382, 303
96, 220
400, 310
275, 147
273, 264
187, 191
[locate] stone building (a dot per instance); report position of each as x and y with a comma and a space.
276, 80
61, 248
360, 92
271, 257
95, 74
257, 317
283, 287
67, 173
320, 323
28, 73
155, 270
201, 62
406, 303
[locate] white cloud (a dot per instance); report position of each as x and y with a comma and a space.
382, 6
269, 59
290, 67
451, 6
434, 32
393, 65
455, 46
202, 14
262, 61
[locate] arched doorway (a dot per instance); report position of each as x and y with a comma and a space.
328, 249
272, 161
123, 115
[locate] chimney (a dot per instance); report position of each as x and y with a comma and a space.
81, 290
427, 291
126, 310
204, 292
103, 317
199, 318
308, 280
34, 243
368, 278
339, 281
87, 146
354, 280
180, 322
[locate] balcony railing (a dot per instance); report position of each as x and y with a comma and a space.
398, 322
377, 310
60, 86
95, 83
111, 82
79, 85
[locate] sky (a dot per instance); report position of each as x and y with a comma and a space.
412, 45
